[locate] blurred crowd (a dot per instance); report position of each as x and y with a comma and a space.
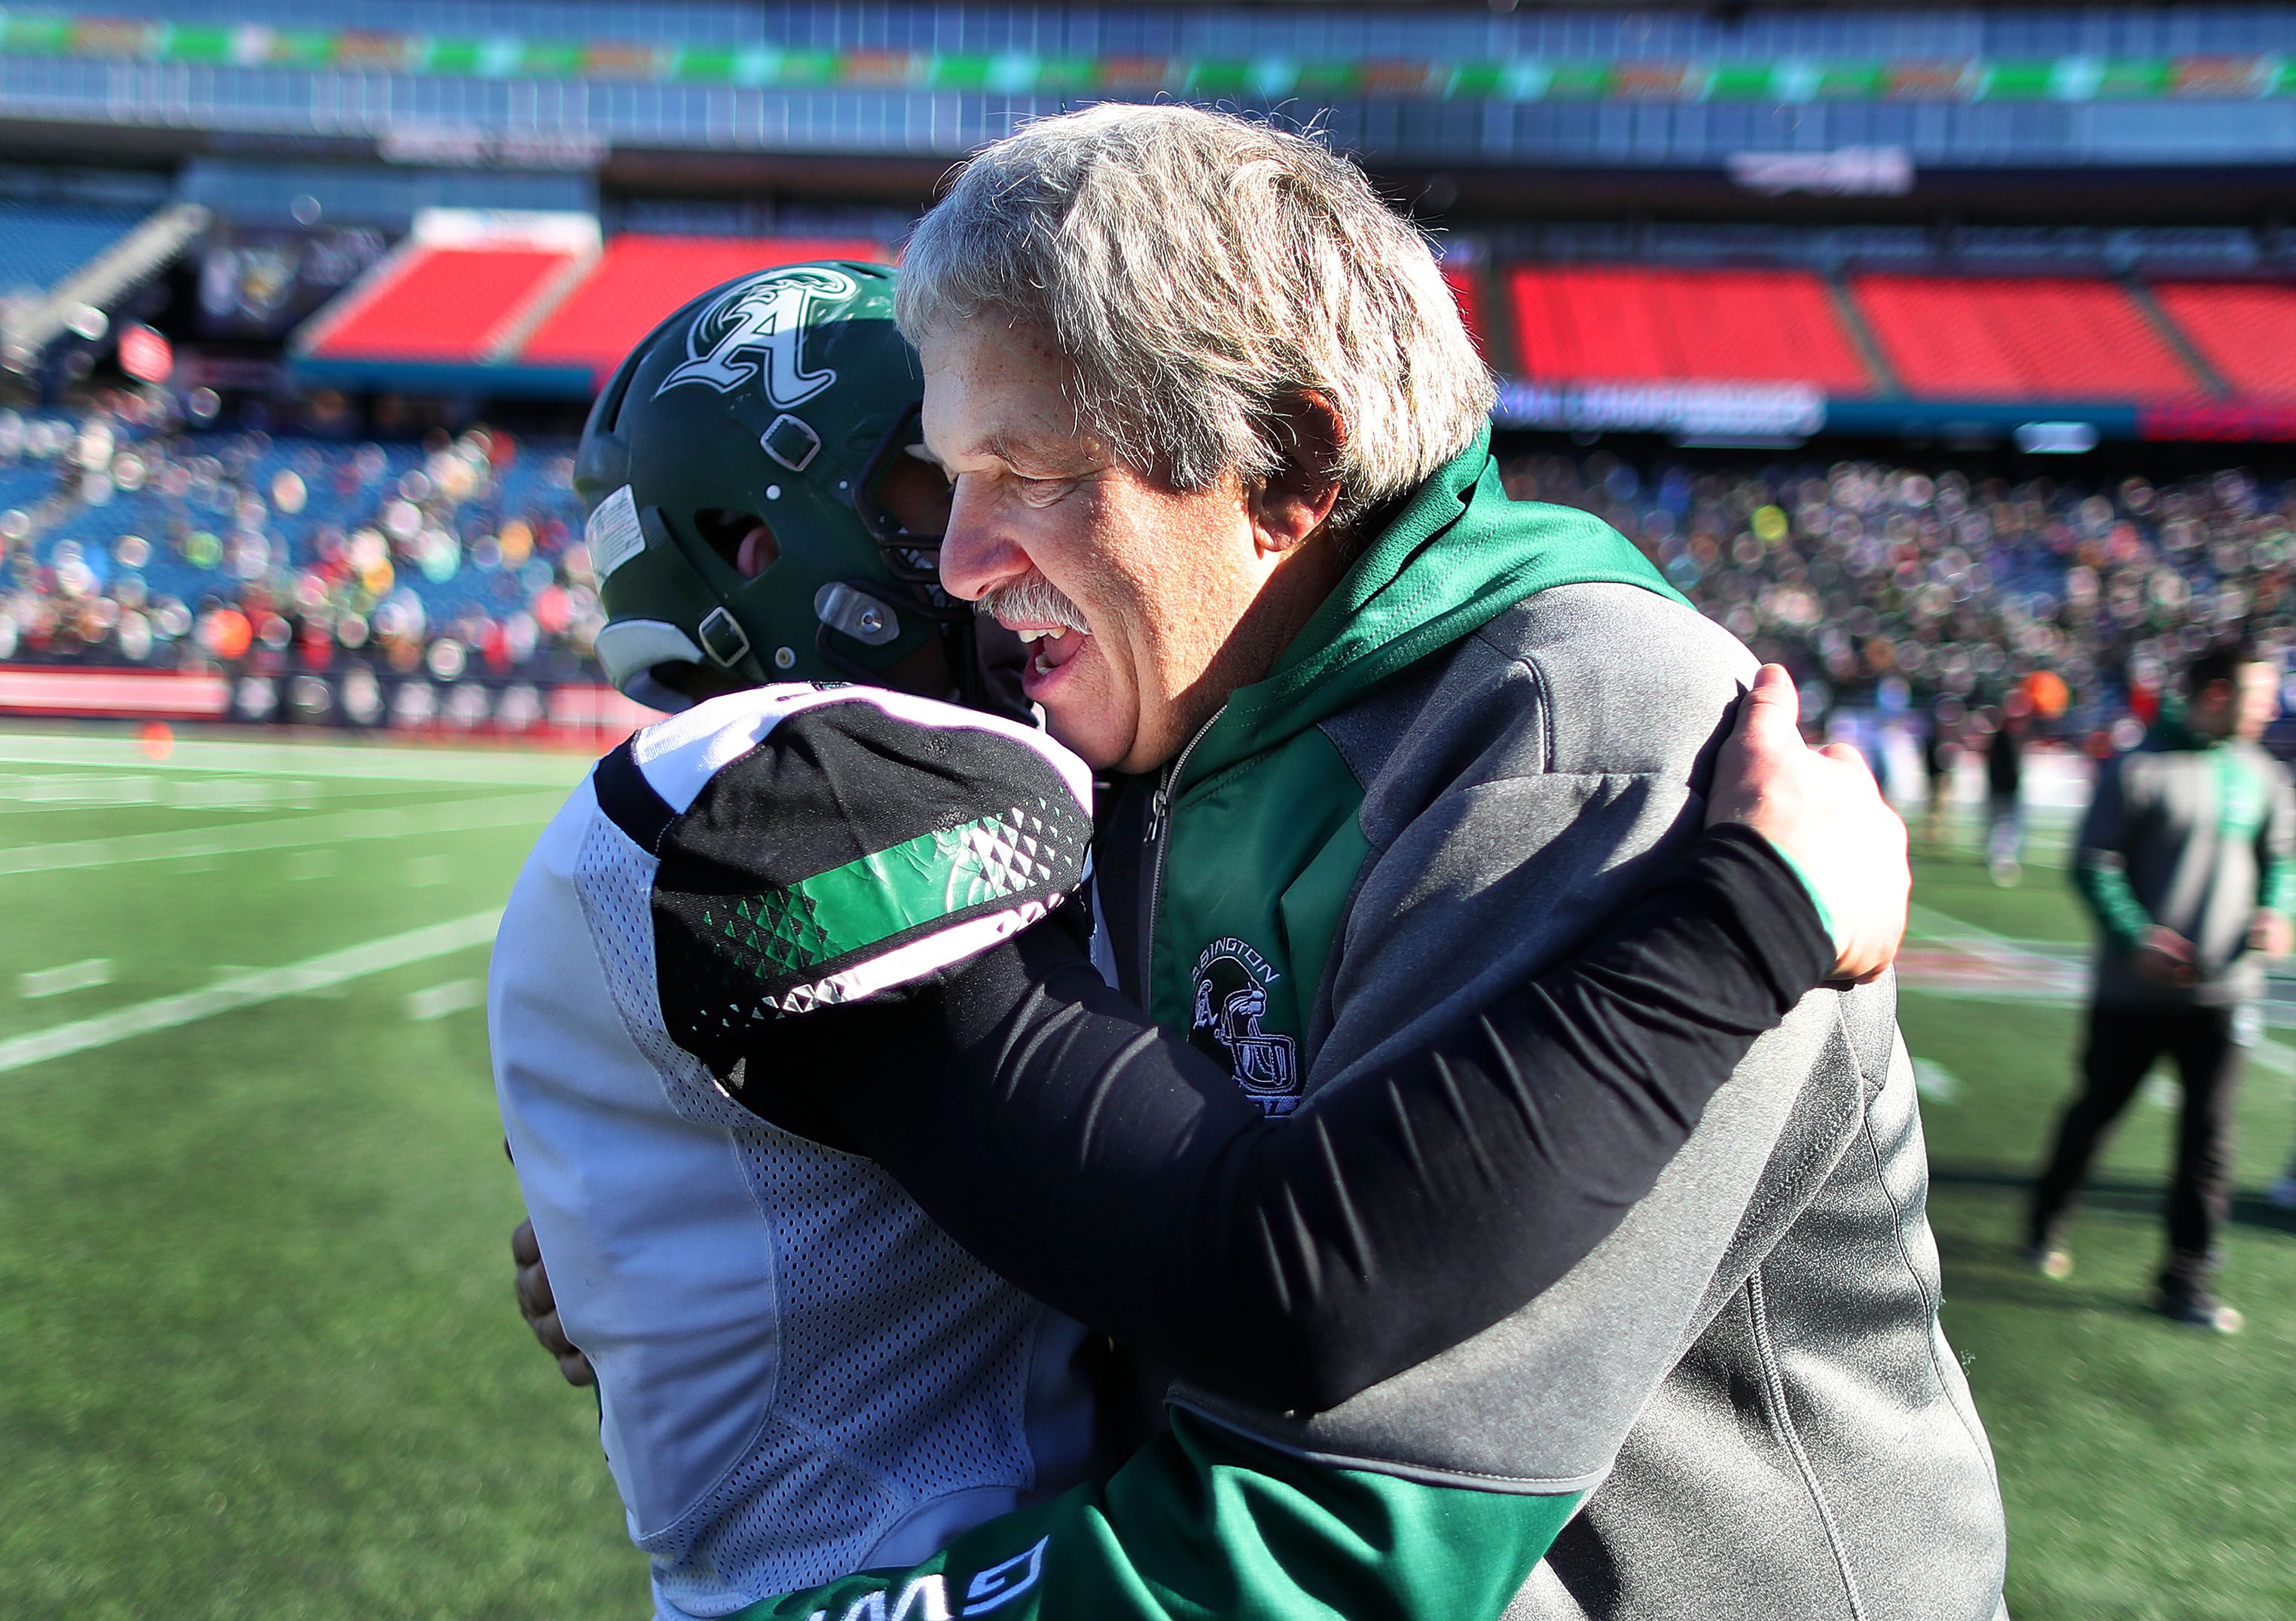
128, 540
2066, 600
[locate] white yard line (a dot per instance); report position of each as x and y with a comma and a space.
282, 833
248, 989
1935, 1082
1932, 924
22, 791
85, 975
437, 1000
534, 768
36, 792
31, 792
2047, 995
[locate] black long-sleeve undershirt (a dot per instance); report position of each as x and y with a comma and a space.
1105, 1165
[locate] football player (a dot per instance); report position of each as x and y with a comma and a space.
790, 929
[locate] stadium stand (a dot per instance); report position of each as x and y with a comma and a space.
2247, 331
42, 243
1959, 582
1942, 330
640, 279
1468, 289
509, 307
439, 303
138, 546
2134, 87
451, 303
1625, 323
458, 563
2020, 337
61, 257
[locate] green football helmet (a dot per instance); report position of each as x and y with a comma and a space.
754, 511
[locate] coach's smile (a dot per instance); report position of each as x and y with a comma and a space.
1051, 651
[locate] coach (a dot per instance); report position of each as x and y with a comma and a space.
1218, 447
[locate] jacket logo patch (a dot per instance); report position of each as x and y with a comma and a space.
1231, 981
752, 331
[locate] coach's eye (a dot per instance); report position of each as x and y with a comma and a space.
1042, 492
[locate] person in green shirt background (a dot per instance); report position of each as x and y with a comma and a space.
2185, 859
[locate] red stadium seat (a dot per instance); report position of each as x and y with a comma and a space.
1621, 323
641, 279
2247, 331
2035, 338
443, 304
1466, 289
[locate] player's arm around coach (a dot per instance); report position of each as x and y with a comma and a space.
1043, 1119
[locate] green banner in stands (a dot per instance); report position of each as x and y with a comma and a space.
1273, 78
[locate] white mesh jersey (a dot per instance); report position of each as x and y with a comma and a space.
800, 1375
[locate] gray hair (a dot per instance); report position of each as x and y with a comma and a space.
1201, 272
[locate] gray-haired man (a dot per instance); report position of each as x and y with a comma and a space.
1218, 447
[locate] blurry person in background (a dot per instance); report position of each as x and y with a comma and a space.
1874, 745
1940, 752
2185, 859
2005, 784
2283, 1193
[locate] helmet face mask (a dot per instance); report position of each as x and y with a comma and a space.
783, 402
903, 501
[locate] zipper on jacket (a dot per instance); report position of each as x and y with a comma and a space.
1158, 834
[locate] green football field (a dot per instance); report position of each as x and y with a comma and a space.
258, 1354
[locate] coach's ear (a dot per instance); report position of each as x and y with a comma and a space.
1293, 503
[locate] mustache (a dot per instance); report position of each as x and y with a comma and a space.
1032, 600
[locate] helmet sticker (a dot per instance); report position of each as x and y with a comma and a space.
612, 533
752, 332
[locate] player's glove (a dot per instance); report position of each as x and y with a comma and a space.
818, 846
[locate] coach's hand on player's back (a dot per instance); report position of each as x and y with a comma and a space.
1821, 808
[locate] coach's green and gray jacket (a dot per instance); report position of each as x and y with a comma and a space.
1490, 738
1740, 1404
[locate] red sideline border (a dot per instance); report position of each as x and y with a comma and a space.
579, 714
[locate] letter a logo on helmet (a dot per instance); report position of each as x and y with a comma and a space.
681, 486
753, 330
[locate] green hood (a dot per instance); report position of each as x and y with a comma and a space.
1457, 555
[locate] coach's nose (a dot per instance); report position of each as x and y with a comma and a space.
977, 553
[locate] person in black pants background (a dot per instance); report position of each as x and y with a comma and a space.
2004, 783
2184, 858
